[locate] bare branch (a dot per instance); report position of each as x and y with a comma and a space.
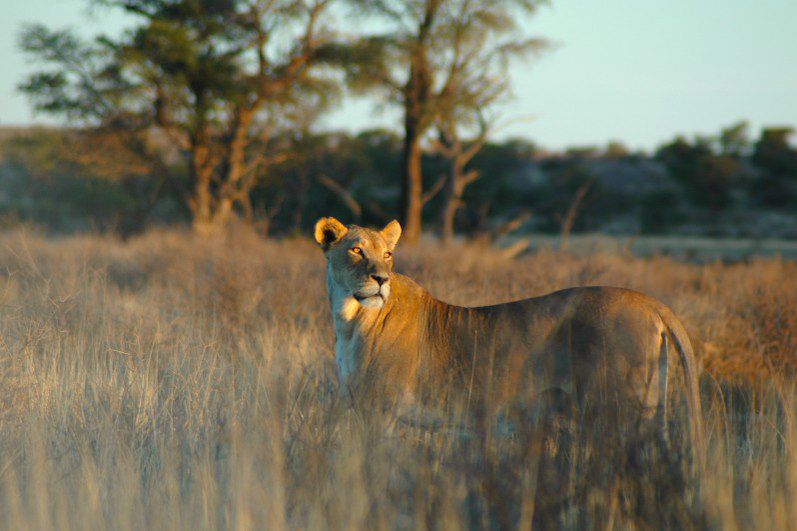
515, 249
442, 147
344, 195
569, 218
478, 143
468, 177
510, 226
434, 190
377, 211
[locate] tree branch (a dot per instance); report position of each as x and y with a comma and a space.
352, 204
468, 177
569, 218
434, 190
511, 225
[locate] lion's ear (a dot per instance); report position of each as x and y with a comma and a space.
329, 231
392, 233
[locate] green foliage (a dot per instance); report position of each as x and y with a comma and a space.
499, 192
734, 140
72, 180
706, 176
774, 155
211, 104
48, 191
713, 172
220, 78
661, 212
454, 52
365, 165
445, 63
53, 178
565, 177
77, 82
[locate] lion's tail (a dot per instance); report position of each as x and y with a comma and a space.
677, 334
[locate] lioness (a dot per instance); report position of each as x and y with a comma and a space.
605, 348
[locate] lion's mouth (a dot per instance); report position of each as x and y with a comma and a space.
361, 298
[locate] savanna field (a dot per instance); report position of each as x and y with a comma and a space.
172, 382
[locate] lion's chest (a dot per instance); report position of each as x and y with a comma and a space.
348, 339
347, 355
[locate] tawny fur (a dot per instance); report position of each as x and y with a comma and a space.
601, 346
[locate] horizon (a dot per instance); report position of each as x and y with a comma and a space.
733, 61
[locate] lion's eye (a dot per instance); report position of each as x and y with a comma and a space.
388, 255
356, 250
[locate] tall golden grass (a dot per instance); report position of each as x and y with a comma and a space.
170, 382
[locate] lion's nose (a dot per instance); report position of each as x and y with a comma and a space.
380, 279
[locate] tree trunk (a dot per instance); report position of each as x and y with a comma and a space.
572, 212
303, 186
412, 180
201, 202
458, 179
234, 188
415, 98
451, 202
458, 155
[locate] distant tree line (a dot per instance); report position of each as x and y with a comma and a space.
230, 86
727, 184
208, 110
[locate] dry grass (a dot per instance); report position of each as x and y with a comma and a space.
173, 383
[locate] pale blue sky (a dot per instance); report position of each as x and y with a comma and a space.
629, 70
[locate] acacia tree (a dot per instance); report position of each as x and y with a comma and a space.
480, 43
218, 77
458, 153
776, 159
426, 51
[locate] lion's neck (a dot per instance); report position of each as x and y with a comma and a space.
348, 344
389, 338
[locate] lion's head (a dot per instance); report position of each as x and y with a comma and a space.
360, 259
